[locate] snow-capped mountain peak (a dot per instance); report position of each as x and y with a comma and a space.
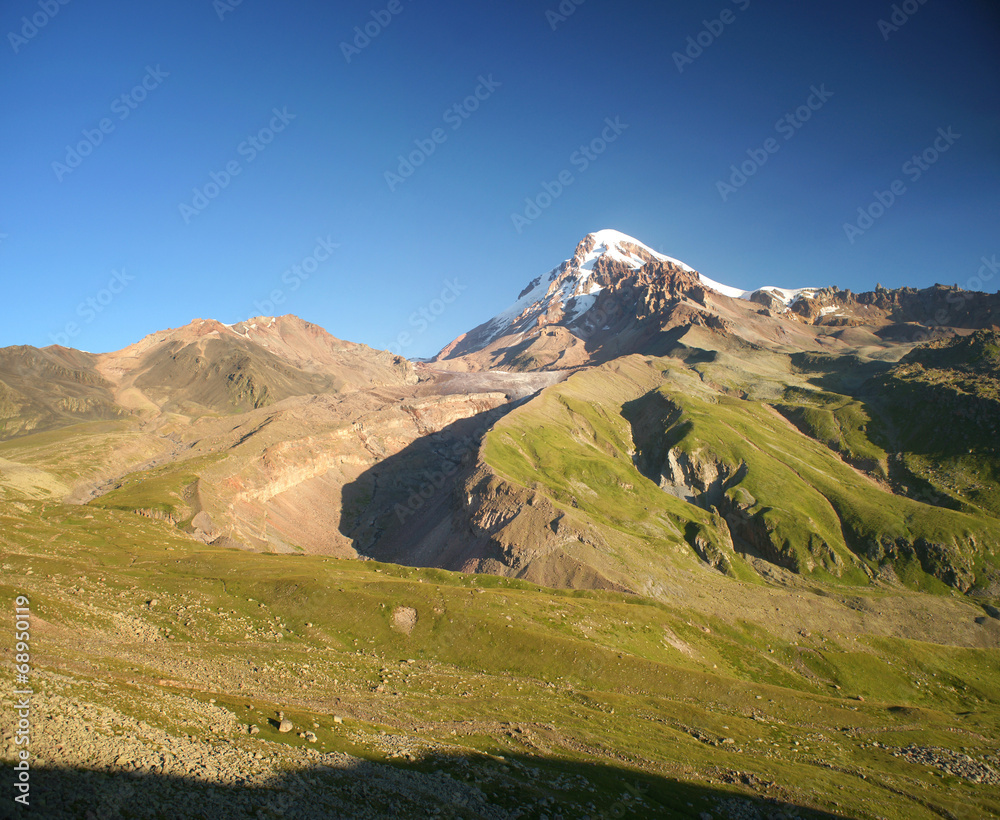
571, 289
606, 260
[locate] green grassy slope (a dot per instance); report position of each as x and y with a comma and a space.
943, 405
782, 643
802, 481
681, 706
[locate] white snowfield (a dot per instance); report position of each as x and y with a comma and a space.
611, 243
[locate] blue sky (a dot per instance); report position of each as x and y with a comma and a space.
100, 254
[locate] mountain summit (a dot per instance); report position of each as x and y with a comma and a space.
600, 299
561, 303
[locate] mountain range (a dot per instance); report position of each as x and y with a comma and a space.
753, 429
630, 439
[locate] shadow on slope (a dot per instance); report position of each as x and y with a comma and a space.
443, 787
395, 504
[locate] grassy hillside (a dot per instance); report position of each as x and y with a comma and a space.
943, 406
808, 634
581, 703
663, 455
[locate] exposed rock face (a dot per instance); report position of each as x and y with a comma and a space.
592, 302
946, 562
273, 435
937, 305
502, 529
464, 517
203, 367
404, 619
714, 485
289, 490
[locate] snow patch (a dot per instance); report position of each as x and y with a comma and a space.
575, 286
580, 306
788, 297
784, 295
725, 290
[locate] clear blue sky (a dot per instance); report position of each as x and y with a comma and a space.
215, 83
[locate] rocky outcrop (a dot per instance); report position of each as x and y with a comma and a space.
436, 503
939, 305
518, 532
948, 563
586, 300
